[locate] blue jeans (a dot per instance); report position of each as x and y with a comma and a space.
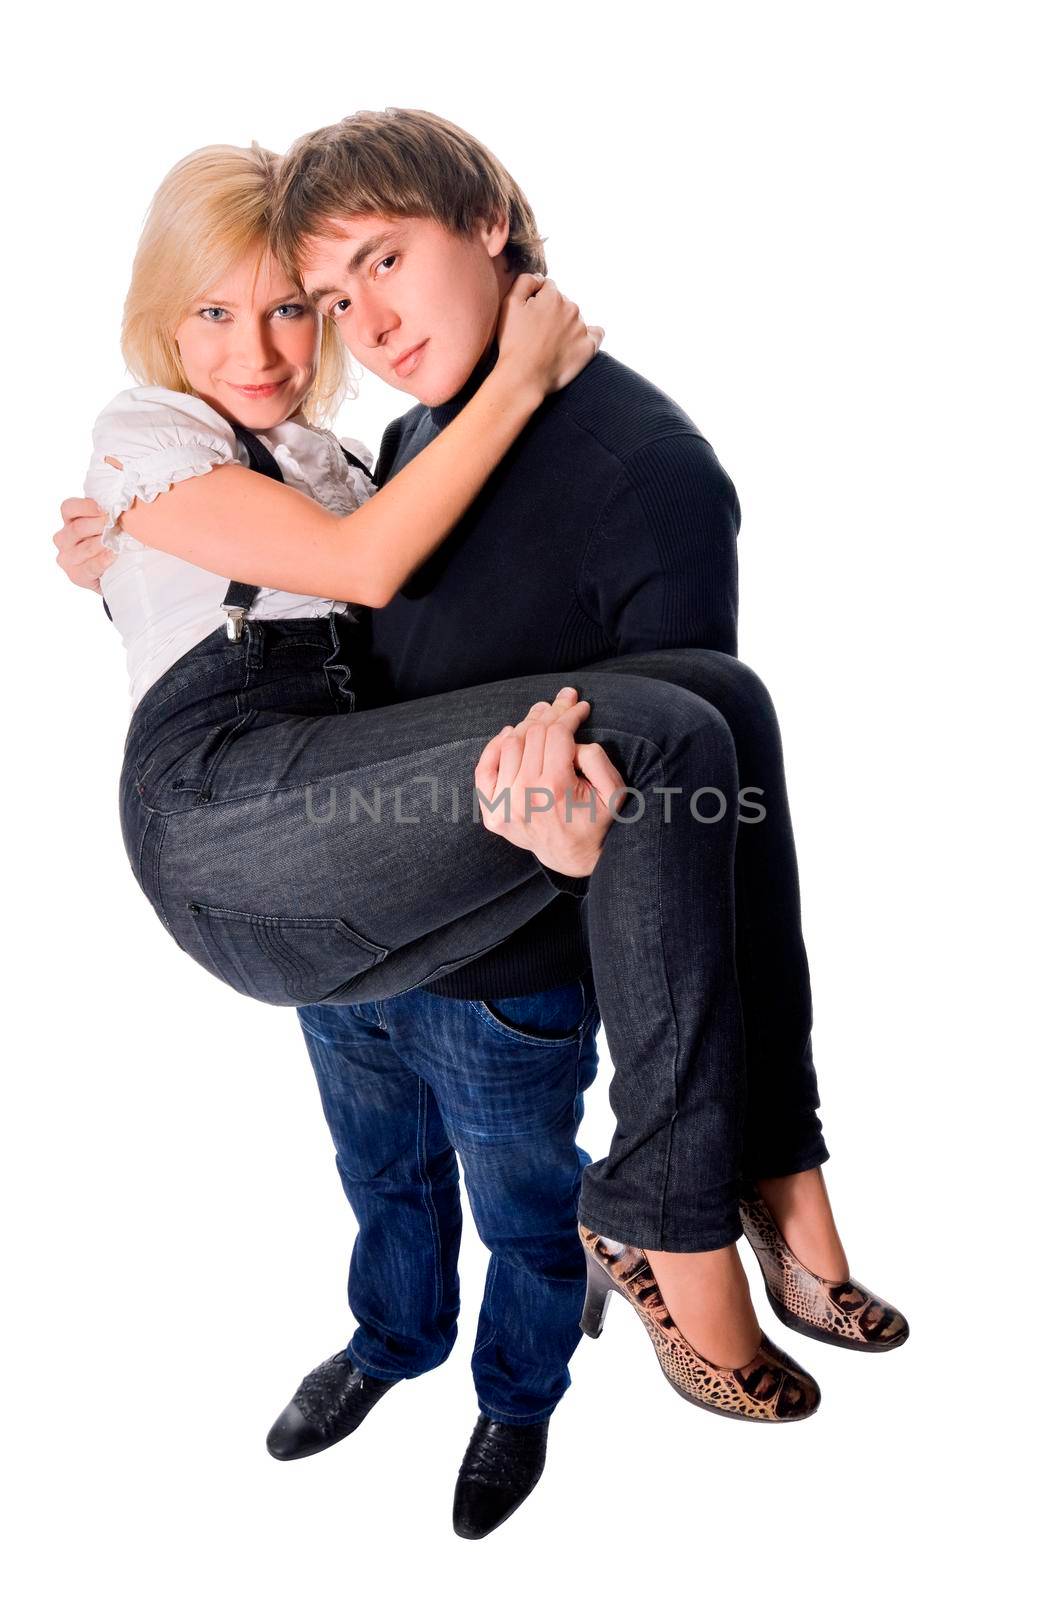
410, 1084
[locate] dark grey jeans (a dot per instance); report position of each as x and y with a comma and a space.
308, 856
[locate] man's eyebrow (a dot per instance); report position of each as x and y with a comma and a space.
360, 256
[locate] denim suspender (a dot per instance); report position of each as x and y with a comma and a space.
240, 597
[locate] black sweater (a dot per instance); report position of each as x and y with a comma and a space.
609, 529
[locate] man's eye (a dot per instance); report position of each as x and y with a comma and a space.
388, 261
338, 307
213, 313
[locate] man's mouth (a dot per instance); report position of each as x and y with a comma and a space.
409, 360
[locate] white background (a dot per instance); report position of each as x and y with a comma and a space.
828, 232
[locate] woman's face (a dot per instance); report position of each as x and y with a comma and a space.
249, 347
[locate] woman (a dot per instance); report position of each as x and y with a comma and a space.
235, 761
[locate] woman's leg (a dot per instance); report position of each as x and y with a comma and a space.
782, 1132
783, 1149
338, 835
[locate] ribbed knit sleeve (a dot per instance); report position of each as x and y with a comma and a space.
660, 570
577, 887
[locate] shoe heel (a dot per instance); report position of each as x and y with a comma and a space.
599, 1287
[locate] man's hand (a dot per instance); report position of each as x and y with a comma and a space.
82, 554
558, 811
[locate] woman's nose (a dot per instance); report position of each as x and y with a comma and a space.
254, 345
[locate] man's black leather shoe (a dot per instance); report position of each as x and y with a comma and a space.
328, 1405
502, 1465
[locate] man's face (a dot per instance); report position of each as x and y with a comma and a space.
413, 302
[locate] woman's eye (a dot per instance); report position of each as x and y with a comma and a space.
289, 313
213, 313
338, 307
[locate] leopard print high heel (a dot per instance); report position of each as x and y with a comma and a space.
770, 1388
845, 1314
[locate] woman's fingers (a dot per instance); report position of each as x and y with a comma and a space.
80, 508
525, 286
81, 552
547, 289
76, 532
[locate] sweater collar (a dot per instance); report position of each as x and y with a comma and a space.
446, 412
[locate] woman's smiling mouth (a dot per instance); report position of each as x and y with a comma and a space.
257, 391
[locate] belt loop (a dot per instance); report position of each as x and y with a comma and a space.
255, 645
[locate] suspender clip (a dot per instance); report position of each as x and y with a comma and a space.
234, 621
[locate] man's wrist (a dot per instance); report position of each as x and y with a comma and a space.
575, 876
576, 886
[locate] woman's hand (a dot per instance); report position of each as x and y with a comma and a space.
542, 338
83, 555
558, 792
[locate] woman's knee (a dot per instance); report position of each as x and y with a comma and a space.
665, 718
732, 685
721, 678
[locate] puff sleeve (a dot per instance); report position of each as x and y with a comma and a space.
161, 437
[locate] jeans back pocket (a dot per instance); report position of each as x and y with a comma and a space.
285, 961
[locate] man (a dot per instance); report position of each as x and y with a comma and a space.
609, 530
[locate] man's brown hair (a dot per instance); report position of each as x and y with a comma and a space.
398, 163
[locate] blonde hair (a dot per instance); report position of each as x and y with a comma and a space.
209, 212
399, 163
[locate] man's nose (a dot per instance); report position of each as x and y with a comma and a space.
372, 321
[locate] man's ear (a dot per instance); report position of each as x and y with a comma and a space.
495, 235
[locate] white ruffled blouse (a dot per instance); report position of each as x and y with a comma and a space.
161, 605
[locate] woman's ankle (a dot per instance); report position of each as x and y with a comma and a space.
707, 1295
802, 1211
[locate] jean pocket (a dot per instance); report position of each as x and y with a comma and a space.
552, 1017
285, 961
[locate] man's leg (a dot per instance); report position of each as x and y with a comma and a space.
509, 1078
400, 1176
